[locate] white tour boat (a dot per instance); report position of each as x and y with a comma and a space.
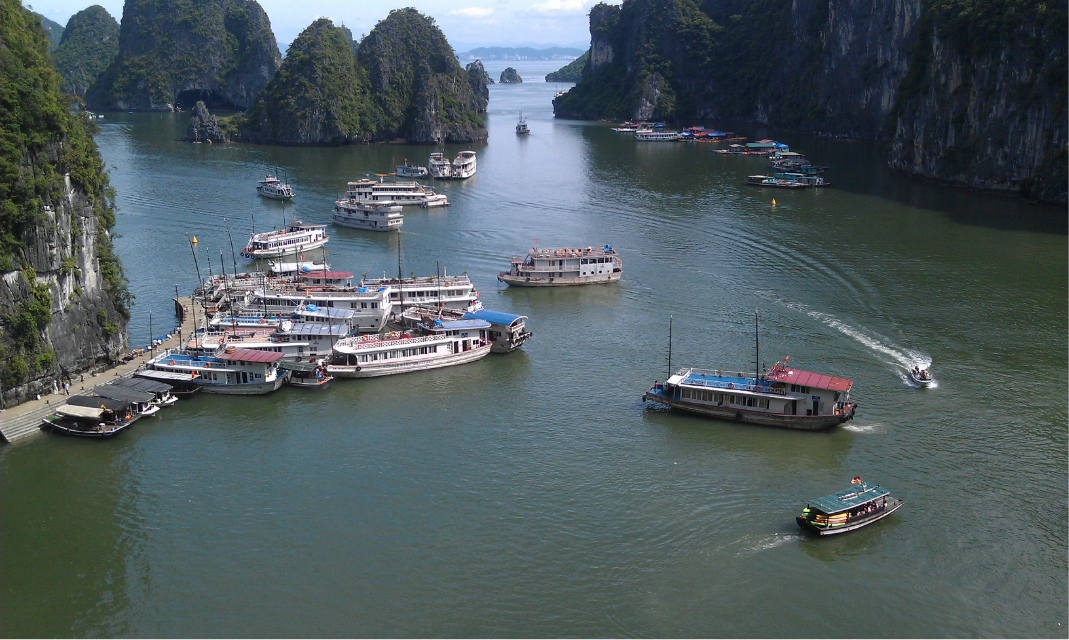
273, 188
521, 126
280, 267
656, 136
407, 170
445, 291
563, 267
507, 332
447, 343
435, 200
371, 216
371, 307
234, 371
294, 239
464, 165
400, 193
439, 166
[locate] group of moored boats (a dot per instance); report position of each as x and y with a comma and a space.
109, 408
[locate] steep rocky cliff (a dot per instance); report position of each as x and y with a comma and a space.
872, 70
53, 30
173, 53
63, 297
424, 93
319, 95
480, 82
89, 44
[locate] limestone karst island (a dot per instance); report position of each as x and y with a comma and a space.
671, 318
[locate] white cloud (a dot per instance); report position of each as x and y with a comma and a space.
560, 7
473, 12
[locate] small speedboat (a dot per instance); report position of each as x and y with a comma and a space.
849, 509
921, 377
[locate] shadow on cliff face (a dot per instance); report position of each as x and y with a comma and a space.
861, 167
186, 100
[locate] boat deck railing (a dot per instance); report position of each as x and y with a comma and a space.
368, 341
702, 378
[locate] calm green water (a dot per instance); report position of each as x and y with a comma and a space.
534, 494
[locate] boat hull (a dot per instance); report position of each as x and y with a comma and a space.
525, 281
735, 414
251, 389
811, 527
374, 370
274, 196
107, 432
365, 226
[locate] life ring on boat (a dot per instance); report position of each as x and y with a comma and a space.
262, 321
170, 362
731, 386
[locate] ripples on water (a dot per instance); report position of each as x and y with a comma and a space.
535, 494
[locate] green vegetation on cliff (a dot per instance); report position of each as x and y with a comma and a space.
53, 30
177, 51
571, 72
89, 44
319, 95
424, 93
41, 141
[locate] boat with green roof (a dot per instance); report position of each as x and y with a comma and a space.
849, 509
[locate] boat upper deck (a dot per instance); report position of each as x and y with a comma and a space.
847, 499
780, 372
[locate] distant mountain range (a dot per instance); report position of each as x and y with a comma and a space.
521, 53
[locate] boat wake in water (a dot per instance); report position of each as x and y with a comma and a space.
861, 428
903, 360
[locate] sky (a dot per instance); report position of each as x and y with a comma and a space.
466, 23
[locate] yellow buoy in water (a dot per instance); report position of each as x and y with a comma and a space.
773, 202
195, 240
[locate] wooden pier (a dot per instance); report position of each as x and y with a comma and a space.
24, 421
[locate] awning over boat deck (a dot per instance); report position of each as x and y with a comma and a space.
251, 355
809, 379
74, 411
98, 403
847, 499
173, 376
493, 317
147, 386
459, 325
122, 393
298, 366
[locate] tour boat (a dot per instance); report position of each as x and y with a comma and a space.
464, 165
768, 181
802, 178
521, 126
435, 200
849, 509
439, 166
282, 268
446, 343
407, 170
273, 188
371, 307
373, 216
91, 417
294, 239
368, 191
507, 331
563, 267
140, 402
783, 397
921, 377
656, 136
445, 291
233, 371
293, 340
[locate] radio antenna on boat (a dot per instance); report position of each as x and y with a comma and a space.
669, 347
233, 254
757, 350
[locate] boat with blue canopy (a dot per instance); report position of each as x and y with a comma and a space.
507, 332
849, 509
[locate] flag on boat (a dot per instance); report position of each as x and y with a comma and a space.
856, 480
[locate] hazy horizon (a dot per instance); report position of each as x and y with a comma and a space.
479, 23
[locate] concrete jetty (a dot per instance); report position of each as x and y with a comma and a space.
24, 421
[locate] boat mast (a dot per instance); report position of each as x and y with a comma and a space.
229, 300
757, 350
233, 254
400, 281
669, 348
438, 272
